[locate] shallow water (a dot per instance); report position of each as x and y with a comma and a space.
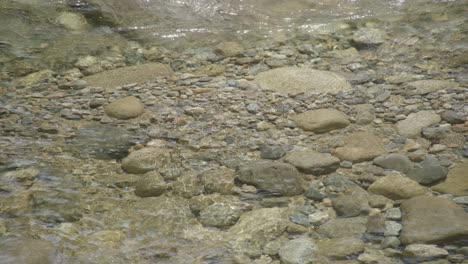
78, 198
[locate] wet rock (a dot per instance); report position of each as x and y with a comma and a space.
128, 75
392, 228
368, 37
456, 182
26, 251
394, 161
221, 214
340, 248
422, 252
321, 120
436, 133
393, 214
360, 146
12, 180
428, 171
272, 152
301, 250
150, 184
390, 242
314, 194
72, 21
344, 227
16, 203
293, 80
411, 127
276, 178
453, 117
429, 219
125, 108
145, 159
218, 180
396, 187
376, 224
35, 78
256, 228
229, 49
423, 87
365, 114
312, 162
318, 218
187, 185
211, 70
352, 202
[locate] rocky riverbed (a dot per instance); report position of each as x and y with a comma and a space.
348, 146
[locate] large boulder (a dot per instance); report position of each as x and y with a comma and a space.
293, 80
276, 178
429, 219
321, 120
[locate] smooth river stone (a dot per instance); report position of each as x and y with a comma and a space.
456, 182
413, 124
396, 187
125, 108
321, 120
360, 146
294, 80
313, 162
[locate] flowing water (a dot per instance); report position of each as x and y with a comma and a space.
62, 191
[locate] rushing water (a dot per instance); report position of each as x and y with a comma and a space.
60, 174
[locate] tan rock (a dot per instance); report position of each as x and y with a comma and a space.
397, 187
360, 146
125, 108
456, 182
321, 120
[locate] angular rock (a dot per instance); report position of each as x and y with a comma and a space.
313, 162
128, 75
276, 178
428, 171
360, 146
340, 248
293, 80
125, 108
394, 161
429, 219
298, 251
344, 227
321, 120
456, 182
150, 184
396, 187
429, 86
145, 159
413, 124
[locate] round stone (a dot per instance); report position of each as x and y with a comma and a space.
125, 108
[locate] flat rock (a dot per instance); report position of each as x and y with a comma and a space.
125, 108
127, 75
352, 202
145, 159
396, 187
428, 171
456, 182
312, 162
277, 178
360, 146
321, 120
26, 251
344, 227
293, 80
340, 248
413, 124
394, 161
429, 86
298, 251
422, 252
429, 219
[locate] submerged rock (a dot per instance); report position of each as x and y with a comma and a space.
298, 251
26, 251
397, 187
145, 159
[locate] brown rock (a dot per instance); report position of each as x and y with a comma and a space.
456, 182
360, 146
125, 108
397, 187
321, 120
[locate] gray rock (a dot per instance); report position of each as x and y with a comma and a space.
229, 49
360, 146
428, 171
421, 252
368, 37
298, 251
392, 228
396, 187
150, 184
390, 242
312, 162
344, 227
411, 127
429, 219
314, 194
393, 214
276, 178
125, 108
145, 159
321, 120
293, 80
352, 202
187, 185
453, 117
461, 200
435, 132
423, 87
394, 161
272, 152
456, 182
365, 114
340, 248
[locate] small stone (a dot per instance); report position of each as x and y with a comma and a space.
314, 194
394, 161
352, 202
428, 171
390, 242
422, 252
461, 200
340, 248
312, 162
229, 49
146, 159
318, 218
344, 227
72, 21
396, 187
411, 127
272, 152
298, 251
392, 228
360, 146
393, 214
150, 184
435, 133
221, 214
125, 108
368, 37
453, 117
321, 120
218, 180
365, 114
